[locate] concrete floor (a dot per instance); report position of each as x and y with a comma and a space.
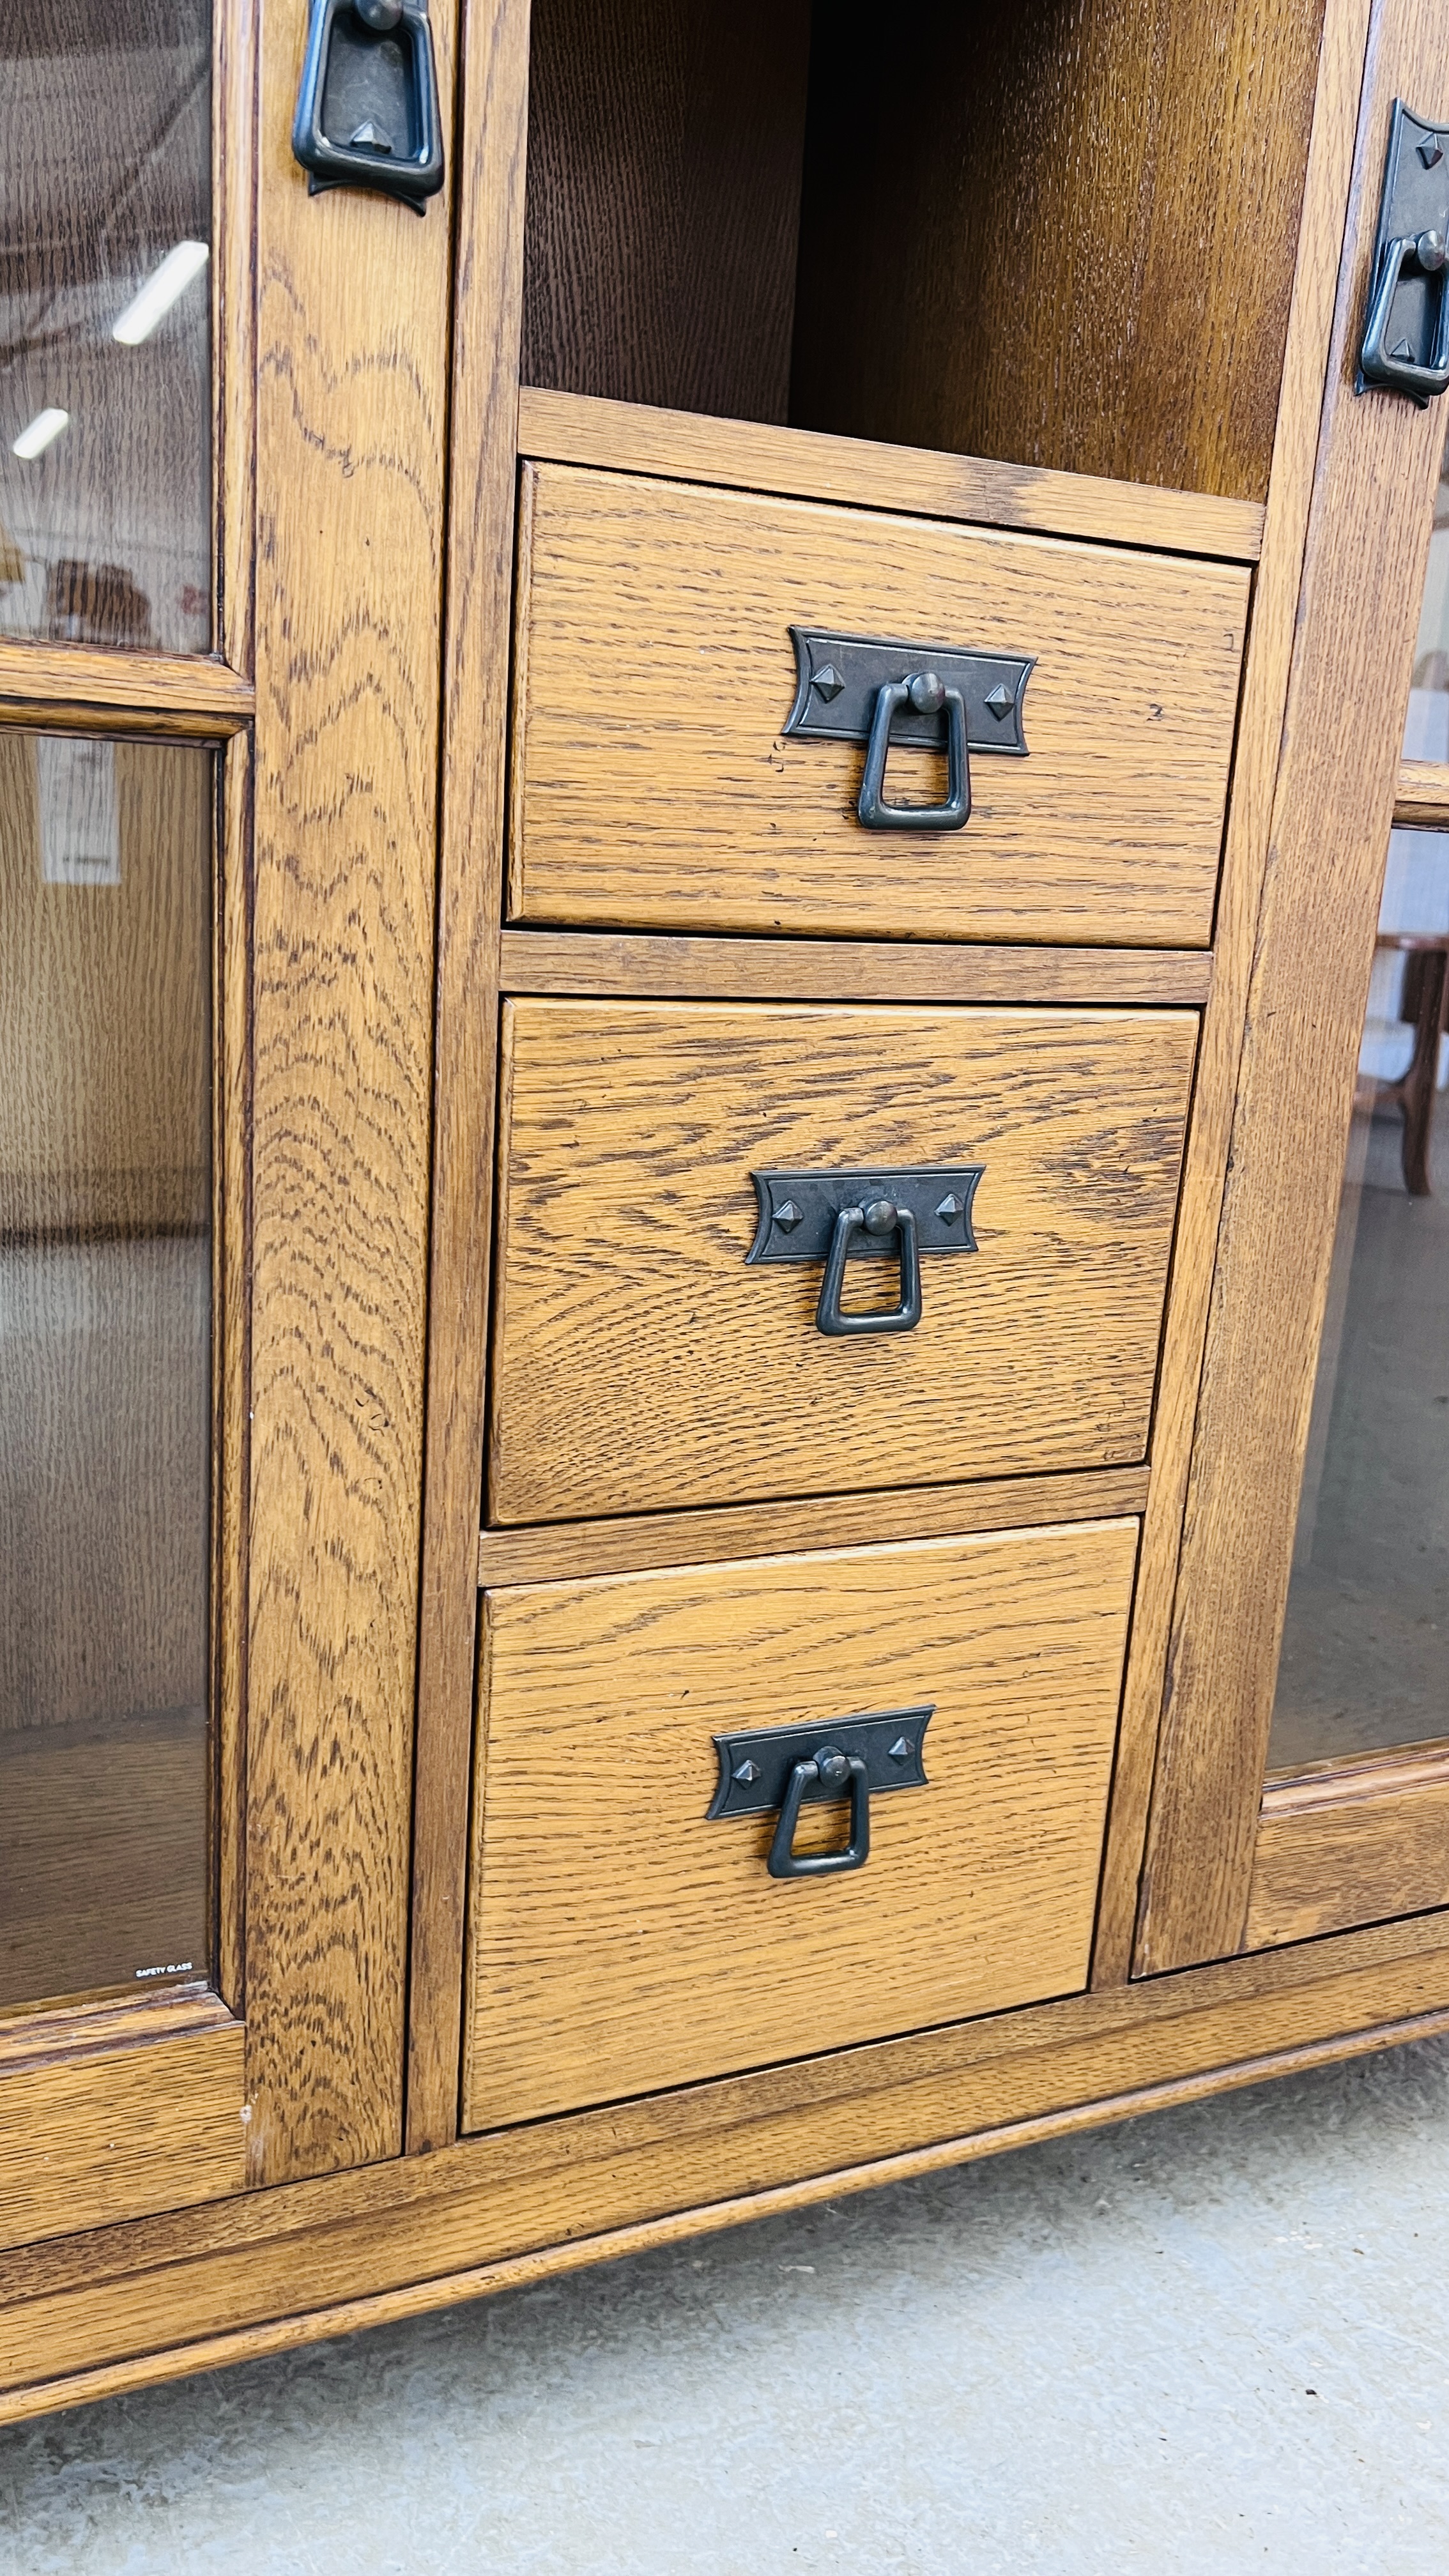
1210, 2341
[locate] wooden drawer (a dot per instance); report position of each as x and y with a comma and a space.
621, 1941
655, 671
640, 1362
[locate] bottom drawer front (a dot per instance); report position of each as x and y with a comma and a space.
621, 1941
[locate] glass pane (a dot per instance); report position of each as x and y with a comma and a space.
1426, 734
105, 404
105, 1321
1364, 1651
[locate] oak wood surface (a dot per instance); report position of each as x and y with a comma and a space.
426, 2229
486, 296
351, 432
867, 970
1063, 235
664, 149
654, 672
636, 438
1266, 671
564, 1551
1333, 802
82, 688
1421, 794
92, 2134
641, 1364
597, 1707
1351, 1843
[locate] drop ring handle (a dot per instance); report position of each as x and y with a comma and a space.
1431, 254
881, 1217
927, 694
836, 1772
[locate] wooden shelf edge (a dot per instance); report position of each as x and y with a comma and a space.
568, 1551
84, 687
586, 963
1421, 795
633, 438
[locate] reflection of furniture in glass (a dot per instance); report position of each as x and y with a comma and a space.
1422, 1003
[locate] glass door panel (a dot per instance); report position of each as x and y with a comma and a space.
105, 400
1363, 1664
105, 1365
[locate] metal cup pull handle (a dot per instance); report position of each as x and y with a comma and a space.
928, 694
833, 1770
883, 1216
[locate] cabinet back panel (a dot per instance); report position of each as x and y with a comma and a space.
664, 150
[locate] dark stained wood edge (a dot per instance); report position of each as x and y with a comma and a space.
1368, 534
565, 1552
487, 311
844, 970
154, 2298
1422, 795
1246, 845
632, 438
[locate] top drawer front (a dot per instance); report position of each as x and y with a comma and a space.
655, 671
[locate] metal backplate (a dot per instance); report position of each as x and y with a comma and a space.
755, 1766
798, 1210
838, 677
1413, 210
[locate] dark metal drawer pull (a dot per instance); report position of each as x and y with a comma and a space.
367, 110
791, 1766
870, 689
928, 694
882, 1217
1406, 335
830, 1769
836, 1217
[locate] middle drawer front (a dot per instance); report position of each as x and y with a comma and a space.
641, 1363
622, 1939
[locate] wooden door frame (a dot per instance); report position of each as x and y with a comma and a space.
1367, 543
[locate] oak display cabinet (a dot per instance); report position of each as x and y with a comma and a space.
724, 832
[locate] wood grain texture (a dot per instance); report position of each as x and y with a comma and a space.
1333, 802
94, 2133
421, 2229
634, 438
1350, 1843
350, 477
1058, 237
664, 150
561, 1553
641, 1364
599, 1701
80, 688
1269, 656
642, 796
1421, 794
840, 970
490, 180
